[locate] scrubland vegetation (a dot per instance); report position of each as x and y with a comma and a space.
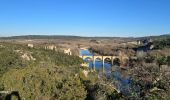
39, 74
150, 72
47, 74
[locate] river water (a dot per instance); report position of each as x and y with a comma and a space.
122, 80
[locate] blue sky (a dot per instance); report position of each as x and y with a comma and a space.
85, 17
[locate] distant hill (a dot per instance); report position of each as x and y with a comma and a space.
58, 37
78, 37
155, 37
39, 37
161, 36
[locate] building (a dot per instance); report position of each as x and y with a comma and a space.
67, 51
138, 42
56, 48
51, 47
133, 42
30, 45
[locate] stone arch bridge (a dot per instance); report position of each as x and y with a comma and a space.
103, 58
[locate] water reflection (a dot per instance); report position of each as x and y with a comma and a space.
122, 79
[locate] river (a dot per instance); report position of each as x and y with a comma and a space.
121, 77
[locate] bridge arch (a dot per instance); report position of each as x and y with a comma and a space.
107, 57
107, 63
84, 57
88, 59
97, 58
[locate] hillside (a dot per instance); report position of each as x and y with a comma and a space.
36, 73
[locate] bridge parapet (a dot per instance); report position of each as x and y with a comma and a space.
98, 57
84, 57
105, 57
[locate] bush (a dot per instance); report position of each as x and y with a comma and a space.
10, 59
36, 82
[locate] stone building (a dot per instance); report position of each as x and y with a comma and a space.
67, 51
30, 45
64, 50
51, 47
